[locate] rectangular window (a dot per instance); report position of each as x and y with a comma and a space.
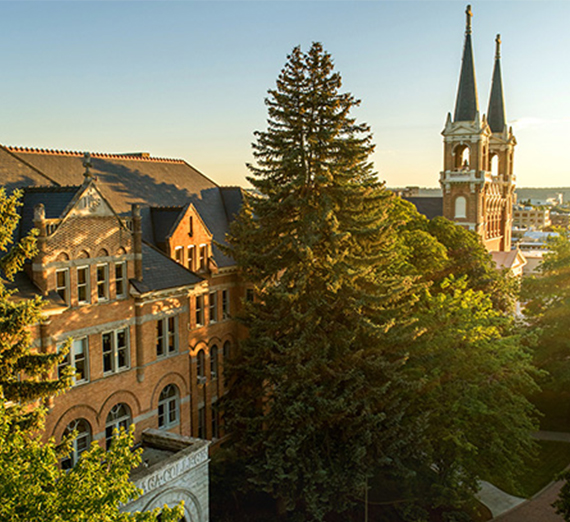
83, 285
249, 295
166, 336
62, 284
203, 256
116, 350
215, 421
201, 422
102, 282
179, 255
213, 307
225, 304
190, 226
199, 310
191, 258
121, 279
78, 358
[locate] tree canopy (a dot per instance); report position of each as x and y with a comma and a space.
316, 401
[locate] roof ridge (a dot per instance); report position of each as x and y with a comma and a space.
51, 188
118, 155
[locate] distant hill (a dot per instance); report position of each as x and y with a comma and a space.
523, 193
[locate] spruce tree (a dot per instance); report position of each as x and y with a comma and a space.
24, 372
317, 389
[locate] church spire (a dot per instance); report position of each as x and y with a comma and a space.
467, 104
496, 112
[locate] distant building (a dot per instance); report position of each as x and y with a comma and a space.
531, 218
477, 179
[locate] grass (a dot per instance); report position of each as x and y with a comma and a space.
552, 458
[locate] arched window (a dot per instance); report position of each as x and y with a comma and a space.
460, 207
201, 367
227, 350
168, 407
462, 156
214, 361
81, 442
119, 417
494, 165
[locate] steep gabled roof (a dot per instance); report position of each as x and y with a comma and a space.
496, 112
54, 199
467, 102
161, 273
124, 179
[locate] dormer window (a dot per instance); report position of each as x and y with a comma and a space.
179, 255
203, 256
191, 257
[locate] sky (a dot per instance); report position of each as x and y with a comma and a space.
188, 79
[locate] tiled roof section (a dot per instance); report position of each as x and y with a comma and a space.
127, 179
122, 155
16, 174
430, 207
496, 112
163, 220
54, 199
233, 201
161, 273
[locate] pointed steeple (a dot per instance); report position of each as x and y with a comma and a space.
467, 104
496, 111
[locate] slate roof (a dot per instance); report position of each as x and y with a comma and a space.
430, 207
54, 199
496, 112
160, 272
124, 179
233, 200
163, 220
467, 102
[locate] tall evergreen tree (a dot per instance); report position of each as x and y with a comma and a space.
23, 372
317, 393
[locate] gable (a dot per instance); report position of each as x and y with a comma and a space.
89, 203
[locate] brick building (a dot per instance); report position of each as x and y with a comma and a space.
130, 270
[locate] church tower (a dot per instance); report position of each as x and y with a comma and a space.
477, 178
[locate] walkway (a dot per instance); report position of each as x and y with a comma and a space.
506, 508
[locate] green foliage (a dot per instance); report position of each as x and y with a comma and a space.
316, 398
547, 310
474, 376
33, 487
23, 373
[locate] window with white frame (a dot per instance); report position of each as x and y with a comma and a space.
201, 367
77, 357
213, 307
203, 256
83, 285
121, 279
191, 257
116, 350
179, 255
102, 282
166, 336
168, 415
199, 310
62, 283
119, 417
80, 443
214, 362
225, 304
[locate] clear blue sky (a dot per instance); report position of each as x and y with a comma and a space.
188, 79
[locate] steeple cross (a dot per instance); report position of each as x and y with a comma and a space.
468, 15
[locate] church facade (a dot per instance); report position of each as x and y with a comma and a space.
477, 179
